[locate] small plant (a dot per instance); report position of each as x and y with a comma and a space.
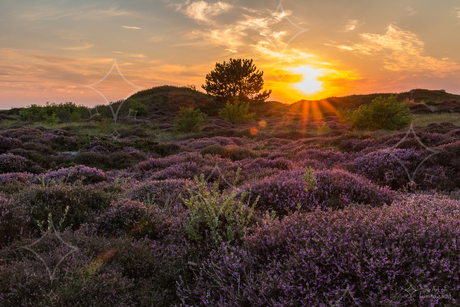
216, 216
310, 179
324, 129
236, 112
105, 126
189, 119
50, 223
381, 113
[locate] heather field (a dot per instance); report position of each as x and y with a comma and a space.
285, 209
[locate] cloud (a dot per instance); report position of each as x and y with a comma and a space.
456, 11
84, 12
352, 24
411, 11
402, 51
128, 27
132, 55
86, 46
202, 10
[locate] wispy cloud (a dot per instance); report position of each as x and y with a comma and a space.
132, 55
128, 27
352, 24
202, 10
402, 51
411, 11
86, 46
84, 12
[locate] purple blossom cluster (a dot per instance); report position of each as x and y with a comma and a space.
16, 178
10, 163
73, 174
7, 143
399, 255
205, 142
335, 189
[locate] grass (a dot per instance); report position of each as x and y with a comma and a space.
426, 119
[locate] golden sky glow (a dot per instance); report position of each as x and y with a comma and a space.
54, 50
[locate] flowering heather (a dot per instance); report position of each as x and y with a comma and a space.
99, 147
335, 189
120, 218
13, 220
73, 174
205, 142
396, 168
16, 178
10, 163
163, 193
260, 163
365, 256
329, 157
7, 144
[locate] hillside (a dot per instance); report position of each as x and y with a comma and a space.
422, 101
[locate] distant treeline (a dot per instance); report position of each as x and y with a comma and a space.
52, 112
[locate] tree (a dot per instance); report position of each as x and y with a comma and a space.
237, 78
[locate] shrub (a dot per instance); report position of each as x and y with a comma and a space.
51, 119
121, 218
189, 119
93, 159
163, 193
138, 106
397, 167
84, 203
13, 221
122, 160
73, 174
335, 189
236, 112
7, 143
214, 150
216, 216
358, 256
381, 113
10, 163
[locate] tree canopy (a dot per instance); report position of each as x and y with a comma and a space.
237, 78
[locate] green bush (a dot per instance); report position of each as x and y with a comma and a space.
51, 119
138, 106
52, 112
216, 216
381, 113
236, 112
189, 119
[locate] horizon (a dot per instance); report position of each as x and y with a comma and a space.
91, 53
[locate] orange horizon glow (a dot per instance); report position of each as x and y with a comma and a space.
54, 50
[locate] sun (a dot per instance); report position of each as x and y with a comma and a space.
310, 83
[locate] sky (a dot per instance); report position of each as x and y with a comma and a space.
94, 52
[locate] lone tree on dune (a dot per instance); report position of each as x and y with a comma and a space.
237, 78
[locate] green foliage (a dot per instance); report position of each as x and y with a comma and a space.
216, 216
52, 112
51, 119
310, 179
324, 128
105, 125
236, 112
237, 78
75, 117
381, 113
138, 106
189, 119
